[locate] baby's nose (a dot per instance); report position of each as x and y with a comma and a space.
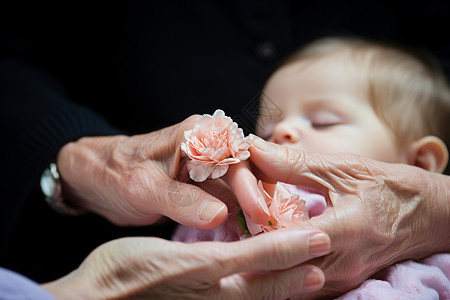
286, 132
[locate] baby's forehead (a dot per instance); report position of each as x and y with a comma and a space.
342, 58
341, 64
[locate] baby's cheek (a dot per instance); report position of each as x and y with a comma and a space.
383, 151
264, 129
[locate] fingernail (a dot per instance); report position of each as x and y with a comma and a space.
319, 244
258, 142
209, 210
313, 280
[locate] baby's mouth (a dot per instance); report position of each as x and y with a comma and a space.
315, 200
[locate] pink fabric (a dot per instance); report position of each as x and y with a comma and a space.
315, 201
428, 278
223, 233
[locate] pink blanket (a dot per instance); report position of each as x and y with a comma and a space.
428, 278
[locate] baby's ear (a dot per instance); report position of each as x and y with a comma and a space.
429, 153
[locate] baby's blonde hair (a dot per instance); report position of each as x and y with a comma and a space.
407, 91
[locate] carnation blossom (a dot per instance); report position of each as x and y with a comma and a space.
315, 200
212, 145
286, 210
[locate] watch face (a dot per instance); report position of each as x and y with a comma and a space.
48, 183
51, 188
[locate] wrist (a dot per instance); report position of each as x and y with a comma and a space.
83, 166
429, 230
439, 203
71, 287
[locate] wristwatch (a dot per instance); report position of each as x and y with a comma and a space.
52, 190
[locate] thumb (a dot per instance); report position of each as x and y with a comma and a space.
321, 172
191, 206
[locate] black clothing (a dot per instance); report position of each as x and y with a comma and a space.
70, 70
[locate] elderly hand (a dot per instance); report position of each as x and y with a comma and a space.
377, 213
136, 180
265, 267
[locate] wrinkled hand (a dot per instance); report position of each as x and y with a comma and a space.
264, 267
136, 180
377, 213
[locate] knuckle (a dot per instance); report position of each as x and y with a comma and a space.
294, 161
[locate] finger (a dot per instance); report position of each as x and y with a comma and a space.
273, 285
245, 187
276, 250
321, 172
191, 206
342, 223
222, 191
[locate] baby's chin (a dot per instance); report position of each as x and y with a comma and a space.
315, 200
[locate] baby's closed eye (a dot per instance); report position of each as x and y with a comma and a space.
324, 118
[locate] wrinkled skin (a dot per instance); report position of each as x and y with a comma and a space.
266, 267
378, 213
138, 179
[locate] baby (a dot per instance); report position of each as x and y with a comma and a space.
341, 95
350, 95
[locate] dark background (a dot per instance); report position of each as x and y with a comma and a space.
144, 65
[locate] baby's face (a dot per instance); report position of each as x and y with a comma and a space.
324, 108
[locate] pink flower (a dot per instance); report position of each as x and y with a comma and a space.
214, 143
315, 200
286, 210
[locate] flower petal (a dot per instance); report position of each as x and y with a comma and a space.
199, 172
252, 226
187, 134
219, 171
243, 155
184, 148
229, 161
218, 113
